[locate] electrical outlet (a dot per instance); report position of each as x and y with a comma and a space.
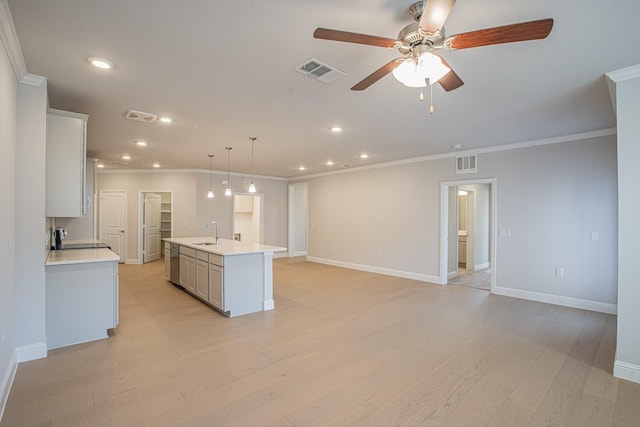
4, 338
559, 271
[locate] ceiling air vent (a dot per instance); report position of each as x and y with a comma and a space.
140, 116
319, 70
467, 164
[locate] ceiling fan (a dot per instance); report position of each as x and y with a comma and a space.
418, 40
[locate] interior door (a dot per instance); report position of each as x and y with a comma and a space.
113, 220
151, 227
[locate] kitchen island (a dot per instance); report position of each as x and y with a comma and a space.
81, 295
235, 278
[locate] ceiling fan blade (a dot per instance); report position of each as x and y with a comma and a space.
451, 80
345, 36
435, 14
378, 74
533, 30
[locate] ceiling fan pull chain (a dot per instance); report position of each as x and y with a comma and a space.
431, 96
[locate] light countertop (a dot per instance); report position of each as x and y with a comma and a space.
80, 256
224, 247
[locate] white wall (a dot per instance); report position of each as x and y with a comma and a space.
30, 226
83, 227
627, 92
550, 196
192, 210
184, 200
298, 214
8, 106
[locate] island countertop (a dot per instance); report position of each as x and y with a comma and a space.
224, 247
80, 256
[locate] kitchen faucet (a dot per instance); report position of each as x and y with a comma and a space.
217, 231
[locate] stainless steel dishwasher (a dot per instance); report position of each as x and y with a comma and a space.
174, 263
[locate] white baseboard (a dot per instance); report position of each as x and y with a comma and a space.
452, 274
379, 270
29, 352
268, 305
299, 253
482, 266
558, 300
626, 371
7, 382
280, 255
132, 261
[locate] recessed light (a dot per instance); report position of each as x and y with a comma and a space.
141, 143
156, 165
101, 63
166, 119
329, 163
100, 165
126, 157
302, 168
364, 156
336, 129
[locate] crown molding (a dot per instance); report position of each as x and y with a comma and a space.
10, 41
198, 171
514, 146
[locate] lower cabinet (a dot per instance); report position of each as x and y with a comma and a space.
188, 273
216, 286
202, 279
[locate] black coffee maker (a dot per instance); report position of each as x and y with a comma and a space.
58, 237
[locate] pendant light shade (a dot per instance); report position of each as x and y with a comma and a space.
210, 193
252, 185
227, 191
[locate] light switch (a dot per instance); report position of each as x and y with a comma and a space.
595, 235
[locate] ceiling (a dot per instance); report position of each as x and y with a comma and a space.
224, 71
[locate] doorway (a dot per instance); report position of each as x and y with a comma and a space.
247, 218
298, 216
113, 221
468, 224
155, 222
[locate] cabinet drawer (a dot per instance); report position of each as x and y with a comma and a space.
202, 256
216, 259
188, 251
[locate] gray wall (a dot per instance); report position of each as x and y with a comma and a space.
192, 210
627, 363
30, 224
8, 102
551, 197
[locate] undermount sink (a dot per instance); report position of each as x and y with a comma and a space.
204, 243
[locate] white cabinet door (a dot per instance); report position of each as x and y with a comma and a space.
65, 194
202, 279
151, 227
188, 273
216, 286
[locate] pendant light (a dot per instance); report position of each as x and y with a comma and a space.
252, 185
227, 192
210, 193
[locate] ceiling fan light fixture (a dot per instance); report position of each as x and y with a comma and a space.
431, 67
407, 73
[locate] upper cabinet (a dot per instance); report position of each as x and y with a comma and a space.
66, 163
243, 203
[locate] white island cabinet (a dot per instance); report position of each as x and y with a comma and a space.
233, 277
81, 296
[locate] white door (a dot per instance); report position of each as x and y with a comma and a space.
151, 227
113, 220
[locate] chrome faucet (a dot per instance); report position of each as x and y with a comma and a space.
217, 231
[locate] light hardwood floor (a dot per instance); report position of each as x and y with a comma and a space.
342, 347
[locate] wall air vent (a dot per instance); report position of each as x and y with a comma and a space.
319, 70
140, 116
118, 163
467, 164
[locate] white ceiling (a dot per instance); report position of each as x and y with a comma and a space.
224, 71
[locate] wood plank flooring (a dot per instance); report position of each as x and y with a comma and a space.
342, 348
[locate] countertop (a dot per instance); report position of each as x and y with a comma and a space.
80, 256
225, 246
